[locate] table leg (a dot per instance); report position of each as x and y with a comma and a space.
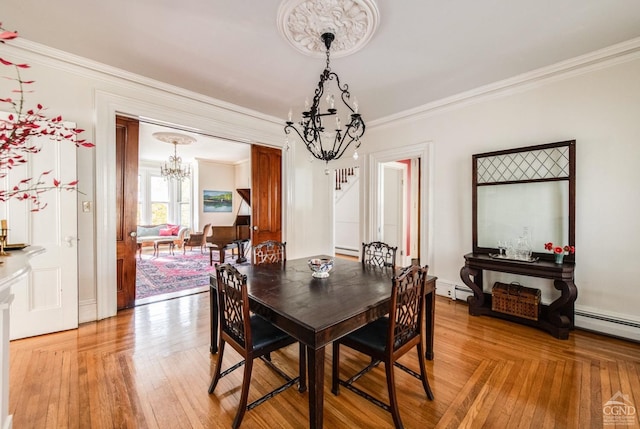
429, 316
213, 312
316, 386
241, 257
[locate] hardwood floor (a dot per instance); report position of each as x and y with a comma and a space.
150, 367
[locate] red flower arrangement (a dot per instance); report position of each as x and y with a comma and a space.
16, 133
558, 250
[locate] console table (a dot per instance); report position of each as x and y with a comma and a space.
556, 318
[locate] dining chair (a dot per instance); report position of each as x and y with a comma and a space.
251, 336
270, 252
379, 254
388, 338
197, 239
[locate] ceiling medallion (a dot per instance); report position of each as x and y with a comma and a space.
353, 22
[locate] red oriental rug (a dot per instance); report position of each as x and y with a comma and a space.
157, 275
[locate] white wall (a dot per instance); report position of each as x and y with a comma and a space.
214, 176
347, 215
597, 107
600, 109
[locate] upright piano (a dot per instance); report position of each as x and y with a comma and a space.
236, 235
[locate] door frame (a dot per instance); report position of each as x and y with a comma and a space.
372, 182
108, 105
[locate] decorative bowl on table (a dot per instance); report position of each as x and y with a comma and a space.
320, 267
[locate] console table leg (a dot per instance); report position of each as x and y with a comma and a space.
477, 300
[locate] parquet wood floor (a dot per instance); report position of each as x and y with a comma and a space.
150, 367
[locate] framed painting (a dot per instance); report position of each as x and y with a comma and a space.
217, 201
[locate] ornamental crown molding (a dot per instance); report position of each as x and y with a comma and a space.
353, 23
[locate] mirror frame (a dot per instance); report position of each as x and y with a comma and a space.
567, 174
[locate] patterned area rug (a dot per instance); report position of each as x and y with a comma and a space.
167, 273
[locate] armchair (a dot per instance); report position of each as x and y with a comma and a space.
197, 239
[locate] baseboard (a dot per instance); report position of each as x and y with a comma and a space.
608, 324
87, 311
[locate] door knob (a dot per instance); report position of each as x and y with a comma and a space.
255, 228
69, 240
133, 234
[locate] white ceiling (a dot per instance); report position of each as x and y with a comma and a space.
422, 51
205, 147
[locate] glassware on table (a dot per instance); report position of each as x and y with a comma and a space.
502, 247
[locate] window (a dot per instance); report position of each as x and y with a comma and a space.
184, 203
161, 201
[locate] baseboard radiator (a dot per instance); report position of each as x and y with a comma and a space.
608, 325
343, 250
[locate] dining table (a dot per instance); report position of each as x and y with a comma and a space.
317, 311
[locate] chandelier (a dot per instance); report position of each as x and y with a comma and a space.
173, 170
326, 138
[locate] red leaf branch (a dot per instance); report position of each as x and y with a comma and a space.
20, 129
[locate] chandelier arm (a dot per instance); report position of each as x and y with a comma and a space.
345, 95
310, 144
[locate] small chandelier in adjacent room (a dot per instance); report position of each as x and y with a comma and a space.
324, 133
173, 170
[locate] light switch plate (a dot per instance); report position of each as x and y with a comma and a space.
86, 206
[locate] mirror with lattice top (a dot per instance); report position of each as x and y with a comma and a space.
528, 189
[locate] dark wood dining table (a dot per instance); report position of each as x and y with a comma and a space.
317, 311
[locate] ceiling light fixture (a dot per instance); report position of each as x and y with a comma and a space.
311, 129
174, 170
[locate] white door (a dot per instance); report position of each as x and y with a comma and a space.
46, 300
394, 200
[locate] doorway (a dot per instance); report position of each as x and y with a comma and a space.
163, 211
415, 217
396, 213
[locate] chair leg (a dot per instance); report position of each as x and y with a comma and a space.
335, 371
393, 399
302, 363
244, 394
423, 372
216, 375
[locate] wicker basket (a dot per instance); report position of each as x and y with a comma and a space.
516, 300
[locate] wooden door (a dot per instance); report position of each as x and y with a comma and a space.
266, 193
126, 209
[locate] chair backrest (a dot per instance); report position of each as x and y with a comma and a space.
379, 254
205, 233
270, 252
405, 313
233, 300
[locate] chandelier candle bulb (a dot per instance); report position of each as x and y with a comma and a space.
355, 105
290, 115
331, 102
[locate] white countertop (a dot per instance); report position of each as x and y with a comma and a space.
16, 264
